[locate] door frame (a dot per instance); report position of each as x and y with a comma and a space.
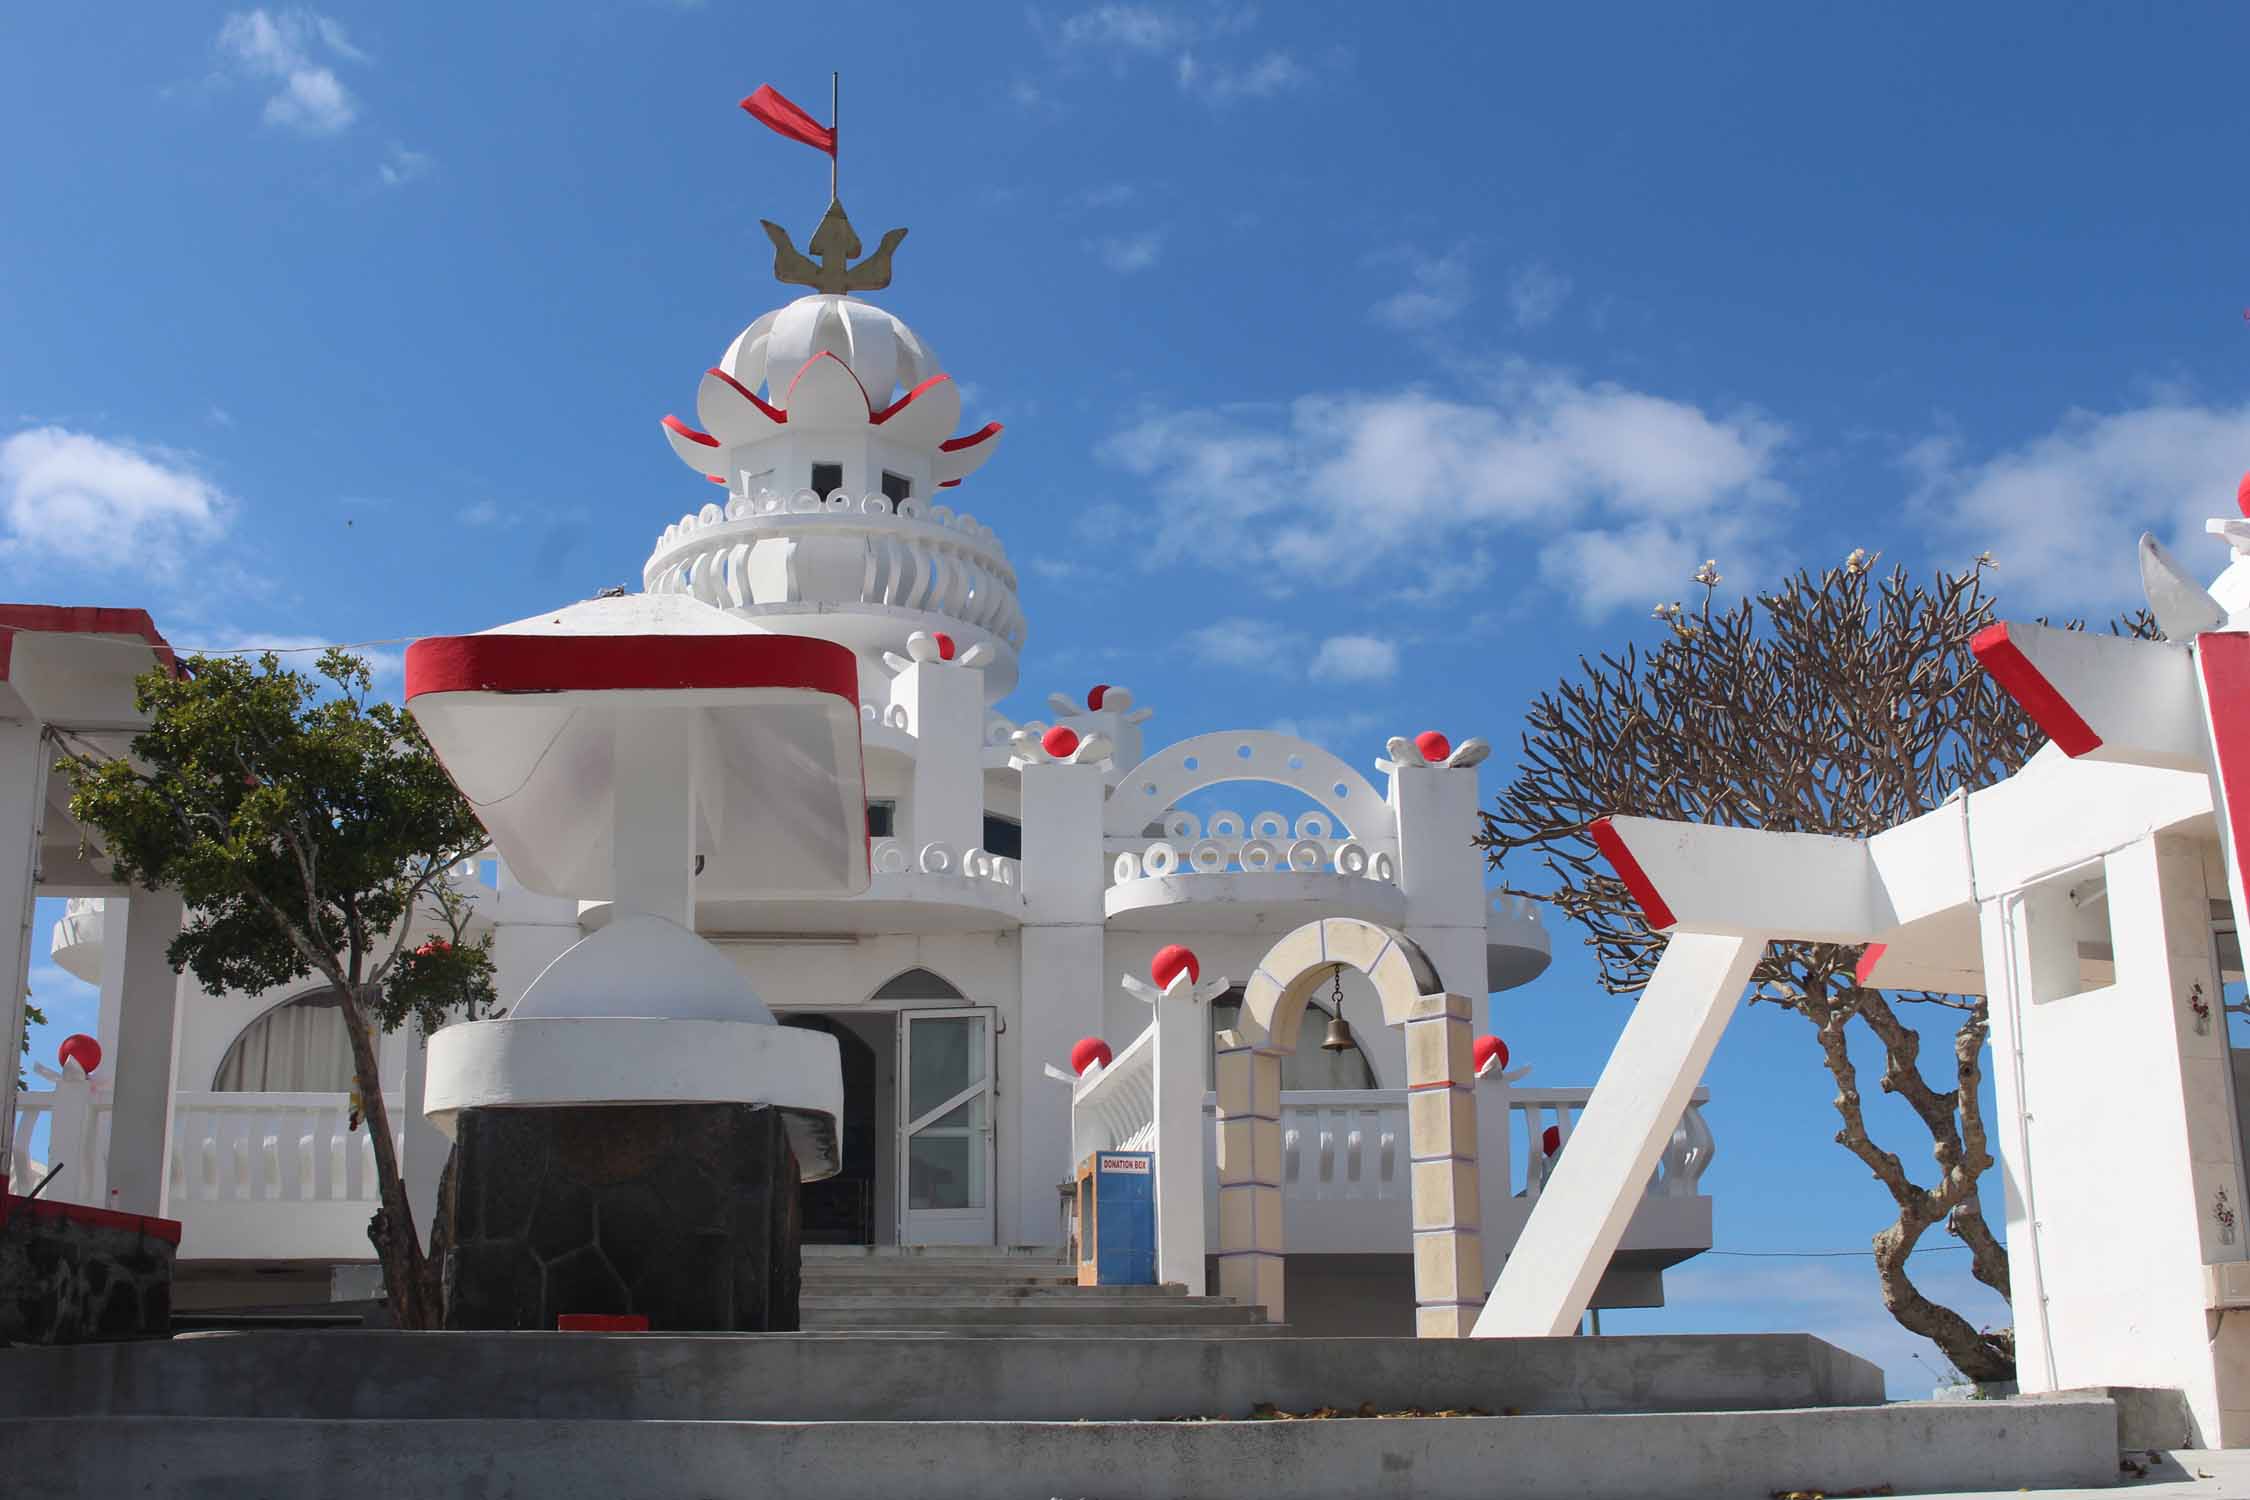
967, 1226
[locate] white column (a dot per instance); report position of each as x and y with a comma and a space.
1183, 1041
945, 706
653, 818
1063, 982
140, 1129
1442, 872
113, 973
22, 805
1584, 1208
70, 1138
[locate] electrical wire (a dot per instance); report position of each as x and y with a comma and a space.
1825, 1254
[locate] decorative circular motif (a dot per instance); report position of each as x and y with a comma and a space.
1169, 960
944, 645
837, 501
1269, 825
895, 716
710, 515
1095, 695
977, 864
874, 505
1486, 1049
1351, 858
1182, 825
1384, 867
1226, 825
1126, 867
1160, 858
1314, 825
890, 858
911, 509
1306, 855
1258, 855
1207, 858
81, 1049
804, 503
1060, 742
937, 858
1089, 1051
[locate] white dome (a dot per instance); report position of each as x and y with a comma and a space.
643, 966
887, 356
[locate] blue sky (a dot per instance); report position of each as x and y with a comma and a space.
1361, 367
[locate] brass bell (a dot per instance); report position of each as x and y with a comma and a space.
1339, 1038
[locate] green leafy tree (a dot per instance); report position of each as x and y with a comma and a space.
1843, 702
311, 833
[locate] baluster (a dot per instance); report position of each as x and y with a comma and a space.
1327, 1154
352, 1184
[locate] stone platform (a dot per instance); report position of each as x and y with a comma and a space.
656, 1417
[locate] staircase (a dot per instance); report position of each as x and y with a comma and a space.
1025, 1292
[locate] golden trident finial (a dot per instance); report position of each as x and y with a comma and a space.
833, 245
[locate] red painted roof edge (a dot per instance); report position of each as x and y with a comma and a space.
1611, 843
502, 663
12, 1204
79, 619
1997, 651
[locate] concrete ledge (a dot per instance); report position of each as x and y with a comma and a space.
1912, 1448
376, 1374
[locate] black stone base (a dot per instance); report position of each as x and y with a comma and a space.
684, 1213
71, 1275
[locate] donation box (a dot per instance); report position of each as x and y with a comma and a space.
1117, 1219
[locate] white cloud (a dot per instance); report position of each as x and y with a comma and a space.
1276, 72
1238, 641
1124, 28
402, 166
1126, 254
1108, 195
1333, 486
1537, 293
103, 504
1355, 658
280, 47
1121, 36
1438, 288
2061, 512
485, 513
1331, 730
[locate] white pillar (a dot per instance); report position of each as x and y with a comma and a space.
945, 705
1183, 1041
22, 807
1063, 982
113, 973
70, 1139
1584, 1208
653, 815
140, 1129
1442, 872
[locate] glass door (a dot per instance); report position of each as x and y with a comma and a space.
945, 1110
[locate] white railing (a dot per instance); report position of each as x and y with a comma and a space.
1679, 1172
1115, 1110
1267, 842
272, 1148
33, 1113
893, 857
772, 550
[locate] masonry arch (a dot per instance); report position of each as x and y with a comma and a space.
296, 1047
1441, 1116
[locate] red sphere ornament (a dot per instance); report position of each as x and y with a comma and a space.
944, 645
1100, 690
1059, 741
2242, 495
82, 1050
1168, 963
1435, 747
1090, 1050
1486, 1049
1551, 1142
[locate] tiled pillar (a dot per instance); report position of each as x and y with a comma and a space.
1248, 1076
1441, 1116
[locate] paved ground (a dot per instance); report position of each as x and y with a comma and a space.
2222, 1474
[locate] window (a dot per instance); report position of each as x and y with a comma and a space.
896, 487
1308, 1067
918, 984
882, 818
1003, 836
295, 1048
827, 479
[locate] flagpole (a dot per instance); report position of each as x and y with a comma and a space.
835, 141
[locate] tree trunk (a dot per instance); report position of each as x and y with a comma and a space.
409, 1277
1982, 1357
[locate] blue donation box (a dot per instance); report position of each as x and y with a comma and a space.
1117, 1219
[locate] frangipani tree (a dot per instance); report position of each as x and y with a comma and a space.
1842, 702
310, 832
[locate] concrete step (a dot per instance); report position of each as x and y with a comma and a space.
1908, 1448
943, 1291
928, 1313
996, 1253
1133, 1372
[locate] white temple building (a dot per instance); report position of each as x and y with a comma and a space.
1019, 870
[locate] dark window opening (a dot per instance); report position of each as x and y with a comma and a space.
896, 487
827, 479
882, 818
1003, 836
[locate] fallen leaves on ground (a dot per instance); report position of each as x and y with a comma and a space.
1867, 1494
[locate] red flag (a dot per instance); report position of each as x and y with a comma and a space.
778, 114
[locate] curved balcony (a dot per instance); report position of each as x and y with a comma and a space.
77, 943
1268, 874
873, 574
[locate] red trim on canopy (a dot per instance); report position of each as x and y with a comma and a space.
892, 410
773, 413
847, 369
79, 619
2224, 659
2038, 697
955, 445
690, 433
1868, 959
1611, 843
612, 663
